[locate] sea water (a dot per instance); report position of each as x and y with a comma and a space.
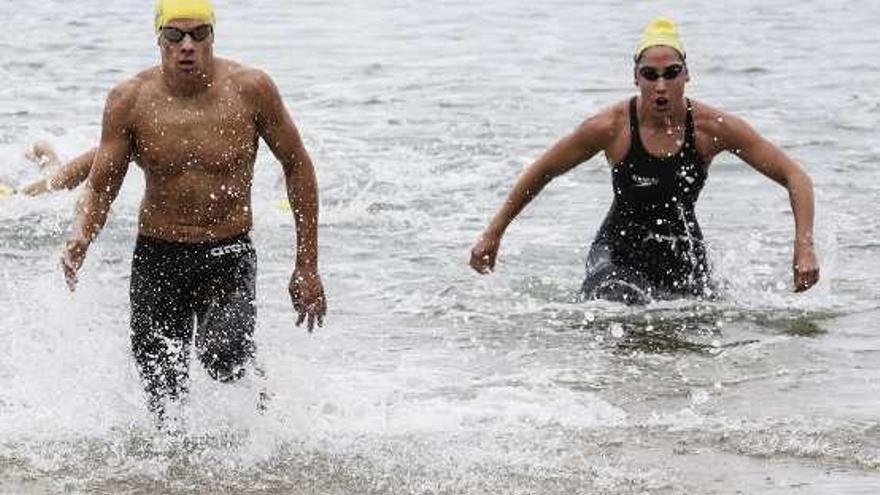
426, 377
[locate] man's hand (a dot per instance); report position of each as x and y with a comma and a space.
307, 296
72, 259
805, 268
484, 252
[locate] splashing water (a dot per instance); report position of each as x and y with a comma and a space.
428, 378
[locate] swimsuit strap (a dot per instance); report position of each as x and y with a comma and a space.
689, 140
634, 122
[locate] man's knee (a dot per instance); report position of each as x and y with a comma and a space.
226, 360
225, 340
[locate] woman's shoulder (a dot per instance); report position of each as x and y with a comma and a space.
711, 118
608, 121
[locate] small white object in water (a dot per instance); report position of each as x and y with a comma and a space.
699, 397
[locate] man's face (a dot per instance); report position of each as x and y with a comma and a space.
661, 76
186, 45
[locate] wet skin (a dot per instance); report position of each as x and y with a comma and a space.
193, 124
662, 110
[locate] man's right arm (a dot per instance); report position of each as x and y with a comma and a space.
591, 137
104, 180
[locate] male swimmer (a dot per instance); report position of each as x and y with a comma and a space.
192, 124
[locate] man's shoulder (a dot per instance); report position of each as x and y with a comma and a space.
129, 89
246, 77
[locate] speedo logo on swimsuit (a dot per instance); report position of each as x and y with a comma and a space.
644, 181
234, 248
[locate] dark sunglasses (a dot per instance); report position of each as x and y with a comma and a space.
669, 73
175, 35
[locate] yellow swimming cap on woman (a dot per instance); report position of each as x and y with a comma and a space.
183, 9
660, 32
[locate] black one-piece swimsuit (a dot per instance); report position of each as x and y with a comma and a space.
650, 244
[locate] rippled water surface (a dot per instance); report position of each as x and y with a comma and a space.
428, 378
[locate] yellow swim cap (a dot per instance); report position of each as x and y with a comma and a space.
183, 9
661, 31
5, 190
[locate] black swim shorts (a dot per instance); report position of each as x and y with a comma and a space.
191, 292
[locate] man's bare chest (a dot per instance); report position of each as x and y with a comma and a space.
213, 136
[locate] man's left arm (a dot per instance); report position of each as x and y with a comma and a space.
767, 158
277, 129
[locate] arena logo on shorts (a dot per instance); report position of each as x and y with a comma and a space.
237, 247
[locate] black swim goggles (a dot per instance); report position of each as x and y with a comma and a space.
669, 73
176, 35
